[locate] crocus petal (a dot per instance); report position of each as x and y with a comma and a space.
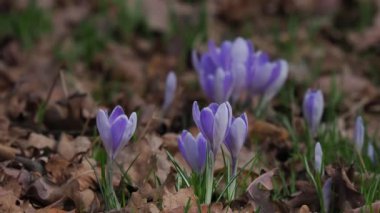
359, 134
207, 123
104, 129
318, 155
116, 112
219, 95
222, 121
202, 152
196, 115
195, 61
118, 129
133, 121
276, 81
239, 50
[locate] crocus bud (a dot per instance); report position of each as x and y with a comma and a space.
213, 121
371, 152
318, 157
115, 130
236, 136
326, 191
313, 109
193, 150
170, 87
359, 134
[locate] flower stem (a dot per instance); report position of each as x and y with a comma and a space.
209, 177
111, 195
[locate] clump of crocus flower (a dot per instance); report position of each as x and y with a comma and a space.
115, 131
359, 134
313, 109
235, 69
170, 88
217, 127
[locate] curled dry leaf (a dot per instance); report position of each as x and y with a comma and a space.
39, 141
259, 192
68, 147
306, 196
56, 167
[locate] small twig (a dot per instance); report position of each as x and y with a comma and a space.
63, 83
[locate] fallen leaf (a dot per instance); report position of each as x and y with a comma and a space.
178, 199
40, 141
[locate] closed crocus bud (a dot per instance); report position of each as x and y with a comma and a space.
193, 150
236, 136
115, 130
359, 134
326, 191
313, 109
318, 157
170, 88
213, 121
371, 152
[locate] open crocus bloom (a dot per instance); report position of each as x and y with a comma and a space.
213, 121
193, 150
115, 130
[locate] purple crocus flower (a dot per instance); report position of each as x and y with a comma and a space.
359, 134
236, 136
170, 87
193, 150
115, 130
264, 77
313, 109
214, 71
213, 121
318, 157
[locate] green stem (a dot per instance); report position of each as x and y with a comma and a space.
111, 195
209, 177
232, 187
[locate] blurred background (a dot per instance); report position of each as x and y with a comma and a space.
63, 58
